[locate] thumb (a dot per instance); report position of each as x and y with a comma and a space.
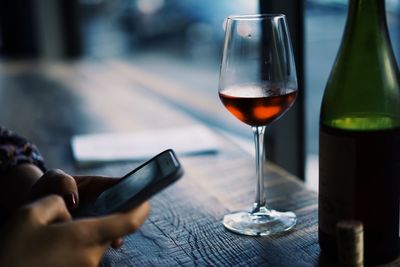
111, 227
56, 182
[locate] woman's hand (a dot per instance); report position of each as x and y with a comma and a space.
43, 234
75, 190
31, 184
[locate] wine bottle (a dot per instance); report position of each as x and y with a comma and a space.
359, 160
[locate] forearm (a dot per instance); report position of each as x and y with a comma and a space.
21, 165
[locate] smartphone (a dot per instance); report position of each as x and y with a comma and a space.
139, 185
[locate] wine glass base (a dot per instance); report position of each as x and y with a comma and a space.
261, 223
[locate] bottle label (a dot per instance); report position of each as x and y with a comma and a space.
336, 183
360, 180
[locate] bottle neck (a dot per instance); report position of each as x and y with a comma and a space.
363, 89
367, 14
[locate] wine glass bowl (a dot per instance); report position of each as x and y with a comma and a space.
257, 105
258, 85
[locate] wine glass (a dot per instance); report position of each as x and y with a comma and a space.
258, 84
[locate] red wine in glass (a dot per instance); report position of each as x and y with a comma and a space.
257, 105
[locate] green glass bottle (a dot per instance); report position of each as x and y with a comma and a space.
359, 161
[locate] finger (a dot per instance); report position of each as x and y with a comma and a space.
117, 243
57, 182
110, 227
90, 187
47, 210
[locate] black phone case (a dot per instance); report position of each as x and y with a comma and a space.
150, 190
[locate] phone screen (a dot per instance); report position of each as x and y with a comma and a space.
135, 182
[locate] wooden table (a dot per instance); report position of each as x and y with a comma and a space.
49, 103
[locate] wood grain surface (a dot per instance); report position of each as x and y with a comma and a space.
49, 103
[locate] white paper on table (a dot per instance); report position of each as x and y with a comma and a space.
105, 147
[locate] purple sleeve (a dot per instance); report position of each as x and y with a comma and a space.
15, 150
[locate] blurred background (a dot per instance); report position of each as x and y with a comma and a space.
179, 41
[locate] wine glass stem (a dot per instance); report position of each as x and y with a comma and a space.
259, 145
